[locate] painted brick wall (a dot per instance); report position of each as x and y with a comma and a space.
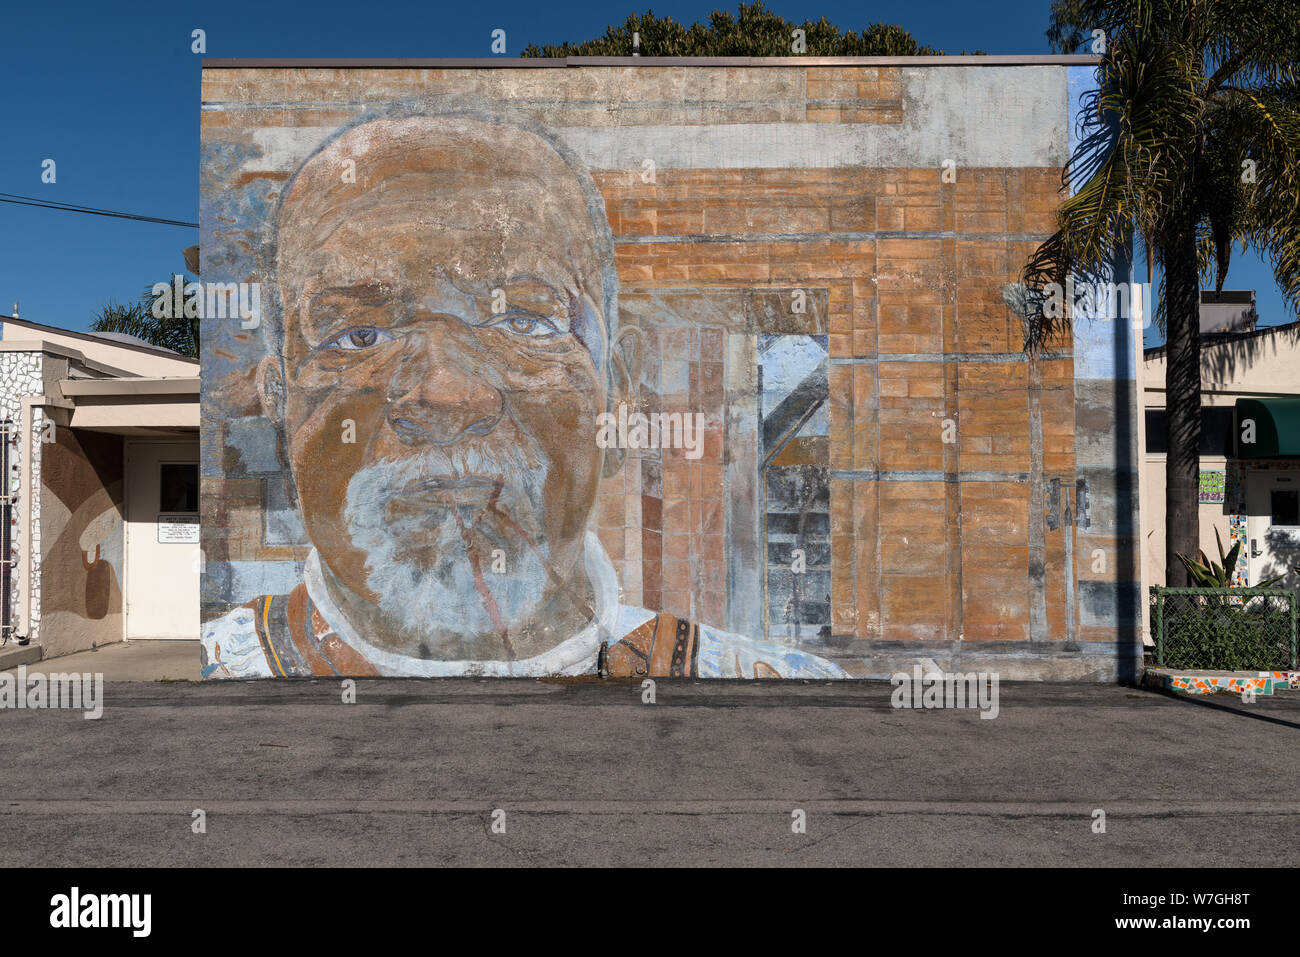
730, 193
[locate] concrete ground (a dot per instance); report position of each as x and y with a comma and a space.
585, 773
153, 659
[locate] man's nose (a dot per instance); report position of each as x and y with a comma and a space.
440, 393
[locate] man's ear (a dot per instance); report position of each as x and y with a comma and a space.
625, 364
270, 389
625, 354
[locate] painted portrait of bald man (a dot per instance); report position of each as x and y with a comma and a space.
454, 304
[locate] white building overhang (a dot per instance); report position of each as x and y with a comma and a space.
134, 406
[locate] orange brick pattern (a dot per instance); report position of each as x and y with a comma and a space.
910, 559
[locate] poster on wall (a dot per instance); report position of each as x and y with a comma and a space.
1212, 488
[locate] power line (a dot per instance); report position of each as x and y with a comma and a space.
75, 208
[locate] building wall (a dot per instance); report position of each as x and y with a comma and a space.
930, 485
131, 360
1228, 518
1262, 364
21, 373
66, 518
82, 530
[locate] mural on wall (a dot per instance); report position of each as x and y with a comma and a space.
697, 371
443, 376
82, 539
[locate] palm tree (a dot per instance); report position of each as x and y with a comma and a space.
1190, 144
175, 331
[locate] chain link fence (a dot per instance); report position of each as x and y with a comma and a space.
1224, 629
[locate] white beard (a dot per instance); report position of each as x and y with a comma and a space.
445, 599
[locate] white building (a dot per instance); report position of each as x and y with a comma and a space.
1250, 445
100, 452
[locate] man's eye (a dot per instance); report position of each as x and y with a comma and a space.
356, 339
524, 324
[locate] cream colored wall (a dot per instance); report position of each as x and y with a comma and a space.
1153, 521
1266, 365
1153, 518
123, 414
134, 361
124, 405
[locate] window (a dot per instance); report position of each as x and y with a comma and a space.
1285, 506
1216, 431
178, 487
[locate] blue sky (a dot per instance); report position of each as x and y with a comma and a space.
110, 92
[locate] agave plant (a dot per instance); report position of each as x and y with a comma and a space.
1207, 574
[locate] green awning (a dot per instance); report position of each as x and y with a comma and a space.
1276, 427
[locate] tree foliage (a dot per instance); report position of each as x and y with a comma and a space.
755, 31
1189, 144
1194, 127
178, 333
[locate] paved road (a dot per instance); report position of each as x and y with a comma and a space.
587, 774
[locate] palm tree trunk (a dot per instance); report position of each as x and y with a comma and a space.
1182, 404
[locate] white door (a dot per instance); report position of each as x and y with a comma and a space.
162, 540
1273, 526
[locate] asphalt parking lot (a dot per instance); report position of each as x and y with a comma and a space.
533, 772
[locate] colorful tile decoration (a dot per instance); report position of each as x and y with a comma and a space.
1235, 509
1236, 499
1199, 682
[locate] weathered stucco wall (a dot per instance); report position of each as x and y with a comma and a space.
81, 540
883, 476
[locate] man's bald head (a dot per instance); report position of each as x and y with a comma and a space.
480, 201
448, 287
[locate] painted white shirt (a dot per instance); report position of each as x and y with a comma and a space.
232, 639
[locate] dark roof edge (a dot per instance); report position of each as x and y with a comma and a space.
90, 336
536, 63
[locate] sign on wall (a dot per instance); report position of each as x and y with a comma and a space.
1212, 488
178, 529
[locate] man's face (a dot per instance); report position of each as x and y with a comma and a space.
444, 313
